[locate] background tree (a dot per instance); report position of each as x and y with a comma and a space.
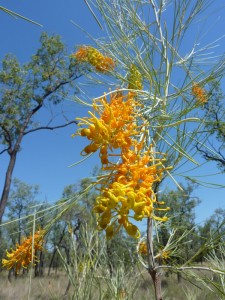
21, 199
214, 225
72, 222
215, 127
181, 219
25, 90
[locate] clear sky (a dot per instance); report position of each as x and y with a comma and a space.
45, 155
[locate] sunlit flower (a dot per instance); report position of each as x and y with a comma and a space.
21, 257
163, 255
95, 58
112, 125
127, 191
199, 93
134, 78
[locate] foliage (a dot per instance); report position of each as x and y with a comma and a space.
20, 205
16, 15
26, 89
182, 220
215, 124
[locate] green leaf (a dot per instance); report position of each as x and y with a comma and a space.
14, 14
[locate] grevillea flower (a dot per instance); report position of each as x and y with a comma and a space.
111, 126
142, 248
199, 93
21, 257
134, 78
162, 255
95, 58
127, 191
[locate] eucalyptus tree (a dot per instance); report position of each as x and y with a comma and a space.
72, 222
213, 148
22, 198
181, 215
27, 89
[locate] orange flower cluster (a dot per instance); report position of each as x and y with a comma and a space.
95, 58
22, 256
143, 249
163, 255
199, 93
112, 126
135, 79
128, 188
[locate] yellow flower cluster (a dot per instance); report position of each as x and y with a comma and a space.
112, 126
199, 93
162, 255
127, 191
22, 256
134, 79
129, 188
143, 249
95, 58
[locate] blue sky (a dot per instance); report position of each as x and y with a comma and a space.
45, 155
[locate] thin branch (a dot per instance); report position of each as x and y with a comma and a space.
191, 268
4, 150
6, 135
93, 14
14, 14
51, 128
207, 156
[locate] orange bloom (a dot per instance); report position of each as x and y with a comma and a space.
199, 93
112, 125
129, 187
127, 192
21, 257
95, 58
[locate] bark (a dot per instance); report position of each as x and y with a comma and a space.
55, 249
12, 151
7, 184
51, 262
156, 278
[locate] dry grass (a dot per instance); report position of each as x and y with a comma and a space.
53, 287
49, 287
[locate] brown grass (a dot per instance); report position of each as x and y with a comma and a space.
53, 287
42, 288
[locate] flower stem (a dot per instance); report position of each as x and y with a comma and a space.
152, 268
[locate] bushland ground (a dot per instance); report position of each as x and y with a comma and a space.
55, 286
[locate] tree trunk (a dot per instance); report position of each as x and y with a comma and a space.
55, 249
156, 278
7, 184
51, 262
